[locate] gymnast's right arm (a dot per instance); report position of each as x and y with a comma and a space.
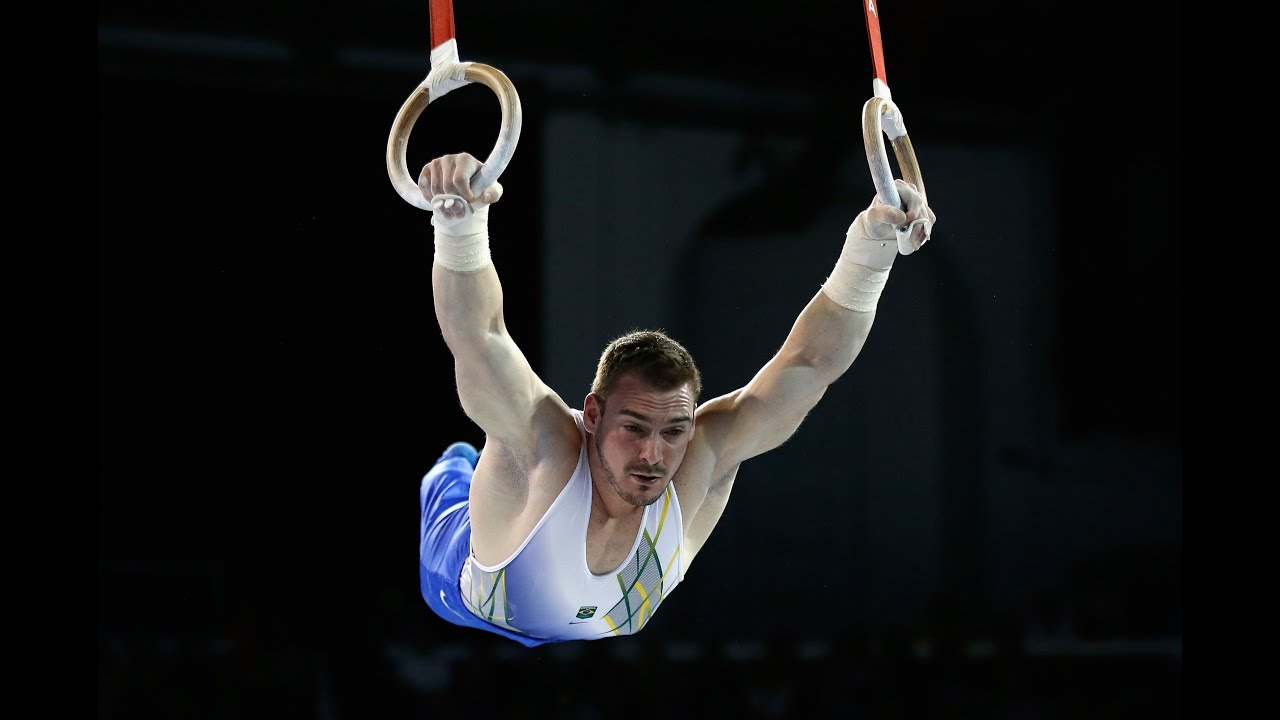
498, 388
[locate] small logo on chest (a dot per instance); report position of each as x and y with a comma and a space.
586, 611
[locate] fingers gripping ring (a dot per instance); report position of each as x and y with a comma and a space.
503, 149
458, 209
904, 233
881, 117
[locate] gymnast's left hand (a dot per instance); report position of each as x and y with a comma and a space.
447, 180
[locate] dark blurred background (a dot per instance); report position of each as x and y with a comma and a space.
983, 519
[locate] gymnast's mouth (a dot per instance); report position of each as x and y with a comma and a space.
646, 479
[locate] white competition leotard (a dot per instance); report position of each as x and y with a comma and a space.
545, 589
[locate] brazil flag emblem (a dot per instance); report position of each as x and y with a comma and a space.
586, 611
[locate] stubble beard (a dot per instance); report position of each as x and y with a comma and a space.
630, 498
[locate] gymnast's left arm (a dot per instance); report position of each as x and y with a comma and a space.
825, 339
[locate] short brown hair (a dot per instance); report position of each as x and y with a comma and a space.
651, 354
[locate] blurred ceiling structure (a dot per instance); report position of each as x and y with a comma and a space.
990, 66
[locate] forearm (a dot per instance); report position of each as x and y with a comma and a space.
826, 338
468, 294
833, 327
468, 305
822, 345
496, 385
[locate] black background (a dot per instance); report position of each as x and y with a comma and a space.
271, 382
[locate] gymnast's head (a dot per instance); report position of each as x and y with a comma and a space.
640, 412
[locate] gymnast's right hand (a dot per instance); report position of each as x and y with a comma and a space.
446, 183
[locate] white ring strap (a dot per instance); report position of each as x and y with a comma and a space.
447, 74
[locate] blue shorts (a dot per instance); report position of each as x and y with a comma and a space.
446, 539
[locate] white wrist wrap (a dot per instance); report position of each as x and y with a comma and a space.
462, 244
862, 269
855, 287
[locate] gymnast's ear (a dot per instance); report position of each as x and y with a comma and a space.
592, 409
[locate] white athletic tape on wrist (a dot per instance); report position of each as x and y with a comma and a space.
862, 269
855, 287
860, 248
447, 74
462, 244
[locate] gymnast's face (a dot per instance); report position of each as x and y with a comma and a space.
640, 435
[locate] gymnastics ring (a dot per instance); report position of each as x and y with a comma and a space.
444, 58
873, 131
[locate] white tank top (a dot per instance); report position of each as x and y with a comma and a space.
545, 589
